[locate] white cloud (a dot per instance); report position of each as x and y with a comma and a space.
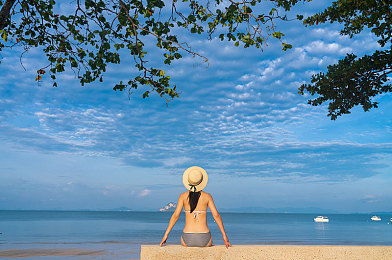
317, 47
327, 33
144, 193
180, 160
369, 198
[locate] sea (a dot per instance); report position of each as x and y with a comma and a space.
119, 234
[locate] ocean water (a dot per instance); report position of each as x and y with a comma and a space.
119, 234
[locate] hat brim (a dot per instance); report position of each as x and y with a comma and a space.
201, 185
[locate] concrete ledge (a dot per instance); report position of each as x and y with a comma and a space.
270, 252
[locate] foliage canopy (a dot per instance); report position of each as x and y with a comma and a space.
95, 32
355, 81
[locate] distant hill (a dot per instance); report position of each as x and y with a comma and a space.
171, 206
382, 213
113, 209
314, 210
122, 209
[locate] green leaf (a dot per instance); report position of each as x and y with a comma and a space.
145, 94
277, 35
4, 35
272, 11
286, 46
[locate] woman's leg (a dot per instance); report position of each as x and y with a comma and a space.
182, 242
209, 243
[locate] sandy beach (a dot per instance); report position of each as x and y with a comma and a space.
270, 252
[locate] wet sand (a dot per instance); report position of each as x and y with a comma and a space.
49, 252
270, 252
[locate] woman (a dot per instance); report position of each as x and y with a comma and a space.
195, 203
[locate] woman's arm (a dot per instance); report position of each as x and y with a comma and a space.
173, 219
218, 220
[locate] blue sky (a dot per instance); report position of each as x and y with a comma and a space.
241, 119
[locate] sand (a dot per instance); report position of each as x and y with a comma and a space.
270, 252
49, 252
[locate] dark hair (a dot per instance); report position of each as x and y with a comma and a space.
193, 199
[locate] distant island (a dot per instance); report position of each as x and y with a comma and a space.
121, 209
171, 206
291, 210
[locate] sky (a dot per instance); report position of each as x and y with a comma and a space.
240, 118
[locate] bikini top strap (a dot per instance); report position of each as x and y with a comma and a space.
196, 213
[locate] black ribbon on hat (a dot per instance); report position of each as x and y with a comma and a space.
192, 187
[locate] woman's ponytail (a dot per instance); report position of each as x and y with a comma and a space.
193, 199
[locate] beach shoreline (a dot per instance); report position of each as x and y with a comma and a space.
71, 251
219, 252
62, 253
33, 252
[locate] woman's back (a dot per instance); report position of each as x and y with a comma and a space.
196, 231
196, 221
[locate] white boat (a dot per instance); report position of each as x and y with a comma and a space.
321, 219
375, 218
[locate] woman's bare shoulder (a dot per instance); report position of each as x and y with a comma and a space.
206, 194
184, 195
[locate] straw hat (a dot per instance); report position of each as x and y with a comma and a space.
195, 178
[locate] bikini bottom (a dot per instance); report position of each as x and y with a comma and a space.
196, 239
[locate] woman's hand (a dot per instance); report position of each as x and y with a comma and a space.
163, 240
226, 240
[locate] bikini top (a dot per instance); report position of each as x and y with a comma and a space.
196, 213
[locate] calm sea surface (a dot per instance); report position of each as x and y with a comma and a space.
120, 234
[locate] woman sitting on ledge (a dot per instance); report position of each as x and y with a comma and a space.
195, 203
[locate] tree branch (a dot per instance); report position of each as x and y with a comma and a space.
5, 13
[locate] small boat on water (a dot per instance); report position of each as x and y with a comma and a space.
321, 219
375, 218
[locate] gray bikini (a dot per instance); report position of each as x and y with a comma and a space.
196, 239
